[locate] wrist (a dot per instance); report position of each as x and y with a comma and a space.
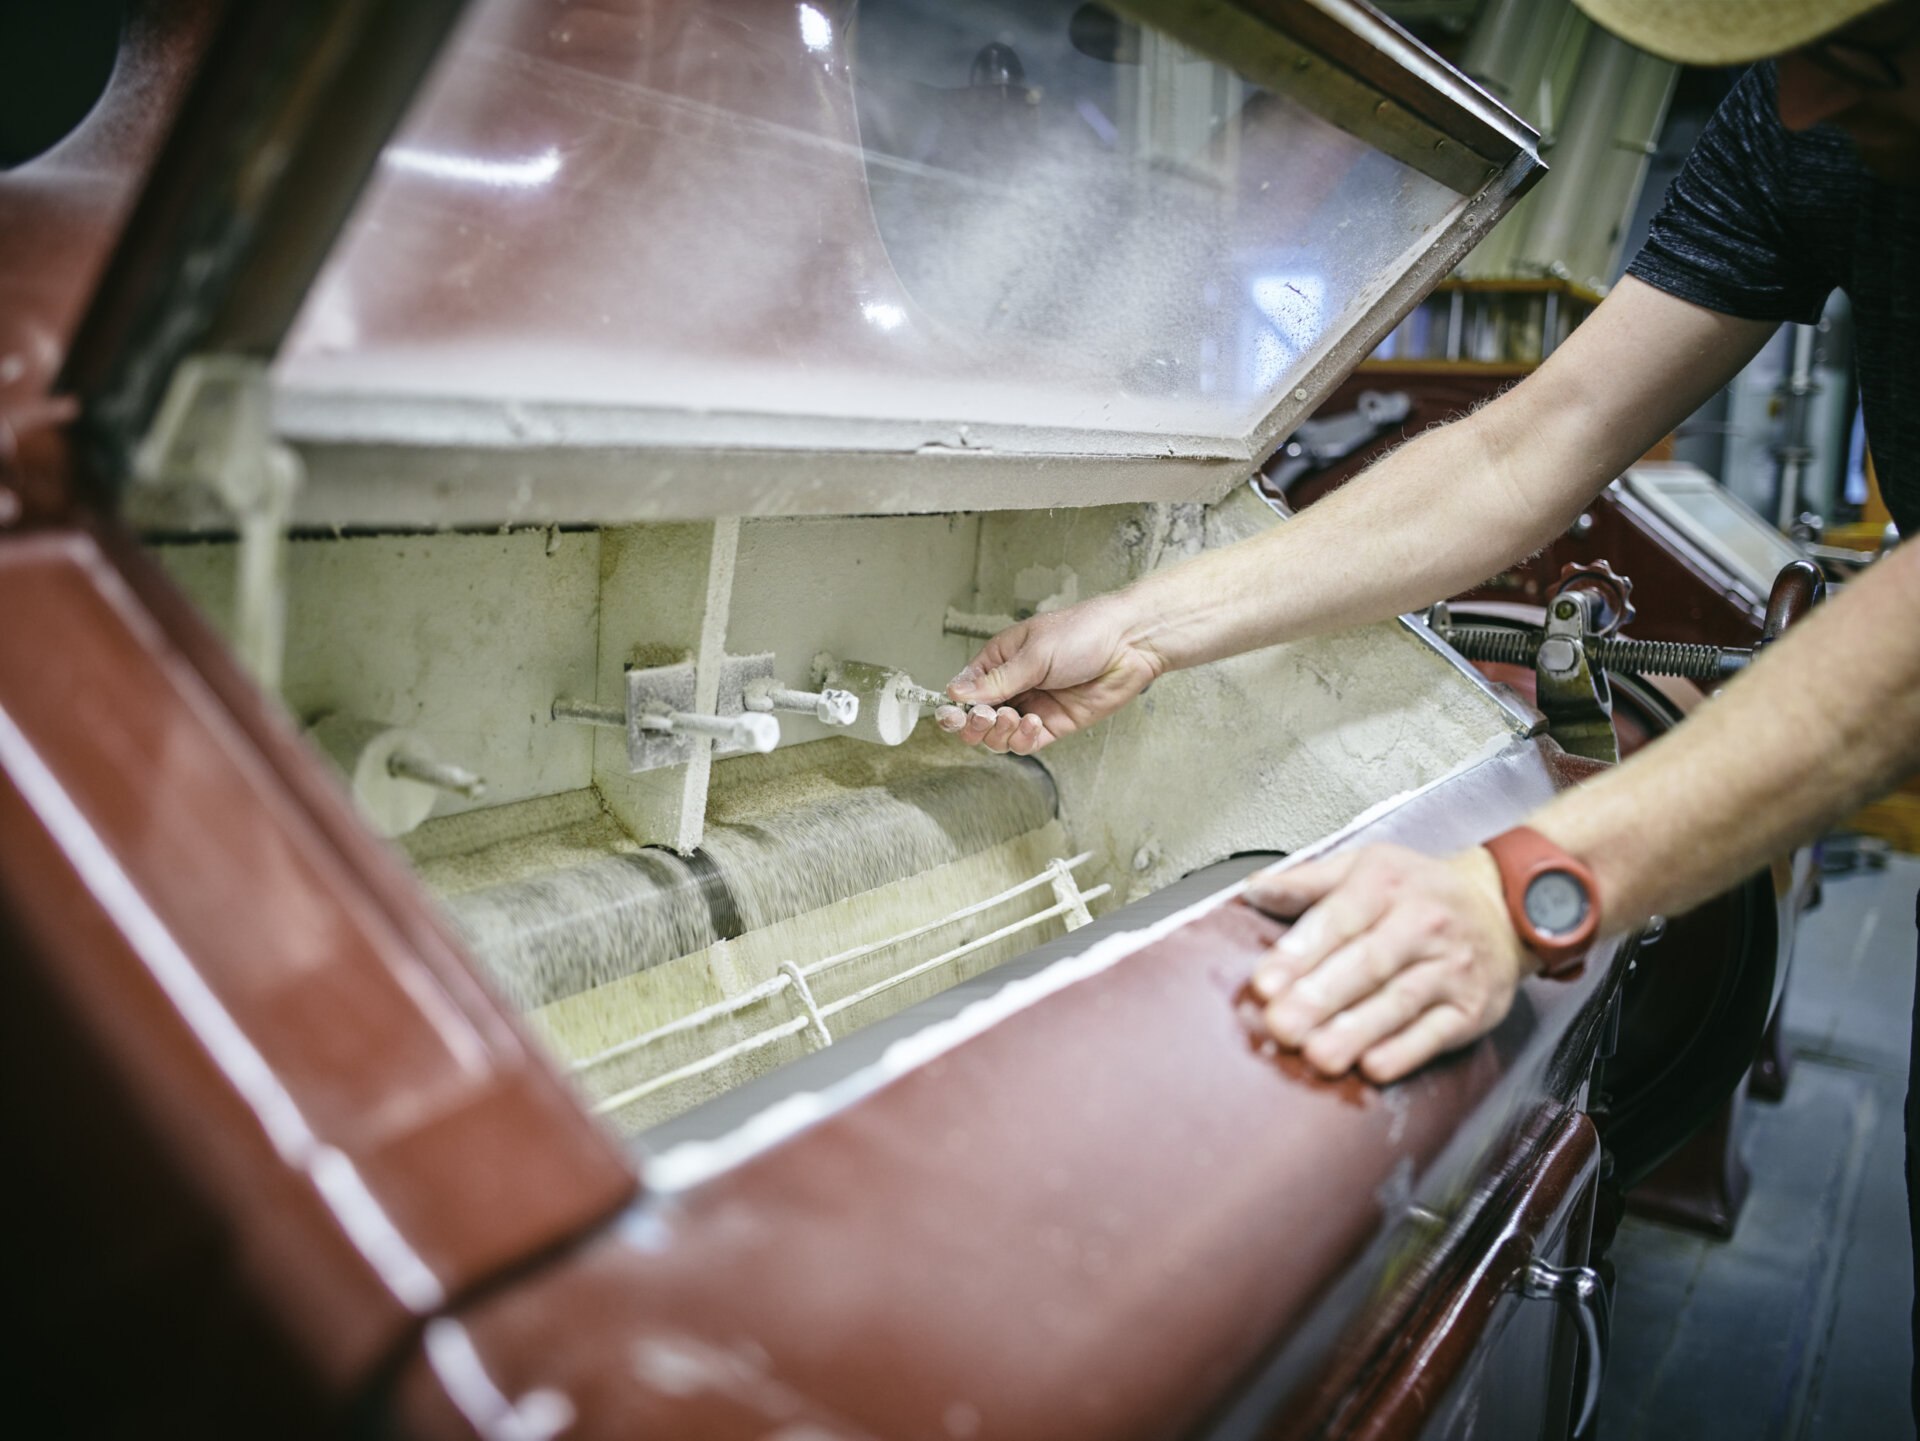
1481, 873
1142, 627
1551, 899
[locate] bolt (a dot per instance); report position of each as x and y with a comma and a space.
1564, 610
1557, 654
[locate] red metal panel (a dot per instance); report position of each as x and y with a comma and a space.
1436, 1357
279, 1012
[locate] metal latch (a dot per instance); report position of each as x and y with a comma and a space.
1582, 1298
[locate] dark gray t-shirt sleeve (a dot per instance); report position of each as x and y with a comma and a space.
1725, 238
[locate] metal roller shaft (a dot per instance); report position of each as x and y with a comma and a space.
750, 732
1635, 657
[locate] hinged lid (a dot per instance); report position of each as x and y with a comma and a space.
765, 257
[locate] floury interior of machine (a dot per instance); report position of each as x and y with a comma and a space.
674, 931
669, 768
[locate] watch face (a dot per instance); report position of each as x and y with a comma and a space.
1556, 903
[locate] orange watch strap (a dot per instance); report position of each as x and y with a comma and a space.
1523, 855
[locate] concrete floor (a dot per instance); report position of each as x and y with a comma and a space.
1799, 1326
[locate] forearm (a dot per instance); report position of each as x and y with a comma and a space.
1461, 502
1437, 516
1825, 720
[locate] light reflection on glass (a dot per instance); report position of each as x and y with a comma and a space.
527, 174
951, 213
816, 33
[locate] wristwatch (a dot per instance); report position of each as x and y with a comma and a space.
1550, 897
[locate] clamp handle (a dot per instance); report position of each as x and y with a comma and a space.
1796, 590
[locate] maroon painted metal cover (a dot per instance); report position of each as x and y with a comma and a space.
261, 990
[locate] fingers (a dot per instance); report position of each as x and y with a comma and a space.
1288, 891
1337, 1045
1395, 958
1005, 666
1002, 729
1345, 978
1434, 1032
1336, 910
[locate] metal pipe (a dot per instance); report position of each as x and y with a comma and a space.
828, 706
586, 712
921, 696
415, 767
1794, 450
749, 732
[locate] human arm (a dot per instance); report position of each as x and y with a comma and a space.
1435, 517
1398, 957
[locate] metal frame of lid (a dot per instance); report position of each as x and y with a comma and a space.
383, 461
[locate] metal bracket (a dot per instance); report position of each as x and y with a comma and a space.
1318, 443
1572, 692
215, 431
651, 690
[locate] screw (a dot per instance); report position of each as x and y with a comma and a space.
1564, 610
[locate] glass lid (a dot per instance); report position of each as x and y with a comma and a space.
1033, 229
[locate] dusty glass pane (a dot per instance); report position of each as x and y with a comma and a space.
966, 214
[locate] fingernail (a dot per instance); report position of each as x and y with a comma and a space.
983, 713
949, 717
966, 680
1299, 939
1267, 985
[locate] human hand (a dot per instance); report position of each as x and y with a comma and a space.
1395, 958
1050, 676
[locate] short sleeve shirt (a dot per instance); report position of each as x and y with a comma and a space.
1763, 223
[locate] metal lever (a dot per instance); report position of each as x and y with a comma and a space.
1797, 589
1582, 1298
749, 732
829, 707
411, 765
